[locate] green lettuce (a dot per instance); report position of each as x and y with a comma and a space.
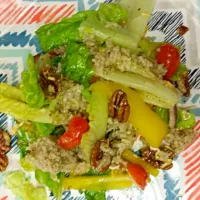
11, 92
22, 188
163, 113
31, 91
98, 115
156, 88
43, 129
75, 63
55, 186
182, 68
93, 195
185, 119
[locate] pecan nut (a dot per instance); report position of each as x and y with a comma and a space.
119, 106
161, 159
3, 162
100, 160
49, 82
182, 30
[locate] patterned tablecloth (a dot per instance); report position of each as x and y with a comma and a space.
18, 21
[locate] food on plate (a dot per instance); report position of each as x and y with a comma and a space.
98, 109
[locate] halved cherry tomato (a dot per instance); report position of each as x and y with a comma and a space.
72, 137
139, 174
169, 56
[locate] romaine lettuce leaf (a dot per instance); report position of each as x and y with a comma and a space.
98, 115
157, 88
11, 92
22, 188
75, 63
31, 91
93, 195
43, 129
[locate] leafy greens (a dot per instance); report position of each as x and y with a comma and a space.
31, 91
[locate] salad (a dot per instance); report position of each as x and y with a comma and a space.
98, 109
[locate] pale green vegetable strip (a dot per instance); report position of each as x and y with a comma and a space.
99, 183
98, 115
154, 87
139, 13
10, 92
22, 111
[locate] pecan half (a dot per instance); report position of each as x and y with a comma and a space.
49, 82
182, 30
100, 160
118, 106
4, 147
165, 160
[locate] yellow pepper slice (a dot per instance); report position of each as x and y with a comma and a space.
131, 157
147, 122
98, 183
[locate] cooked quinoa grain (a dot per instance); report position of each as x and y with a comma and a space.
109, 57
46, 155
70, 101
177, 140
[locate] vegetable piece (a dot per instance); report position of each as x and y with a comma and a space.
22, 111
75, 63
22, 188
93, 195
54, 186
68, 31
149, 48
26, 165
9, 91
163, 113
164, 93
43, 129
146, 121
170, 57
31, 91
72, 138
181, 69
131, 157
98, 116
114, 32
139, 175
105, 10
98, 183
185, 119
139, 13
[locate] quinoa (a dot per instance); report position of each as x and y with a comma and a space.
69, 102
177, 139
109, 58
121, 136
46, 155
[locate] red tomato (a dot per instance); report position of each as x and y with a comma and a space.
170, 57
139, 174
72, 137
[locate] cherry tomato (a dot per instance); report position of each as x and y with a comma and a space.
170, 57
72, 137
139, 174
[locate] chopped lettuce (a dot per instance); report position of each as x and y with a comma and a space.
98, 116
75, 63
157, 88
54, 186
43, 129
22, 188
93, 195
105, 10
22, 111
31, 91
139, 13
11, 92
163, 113
185, 119
182, 68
